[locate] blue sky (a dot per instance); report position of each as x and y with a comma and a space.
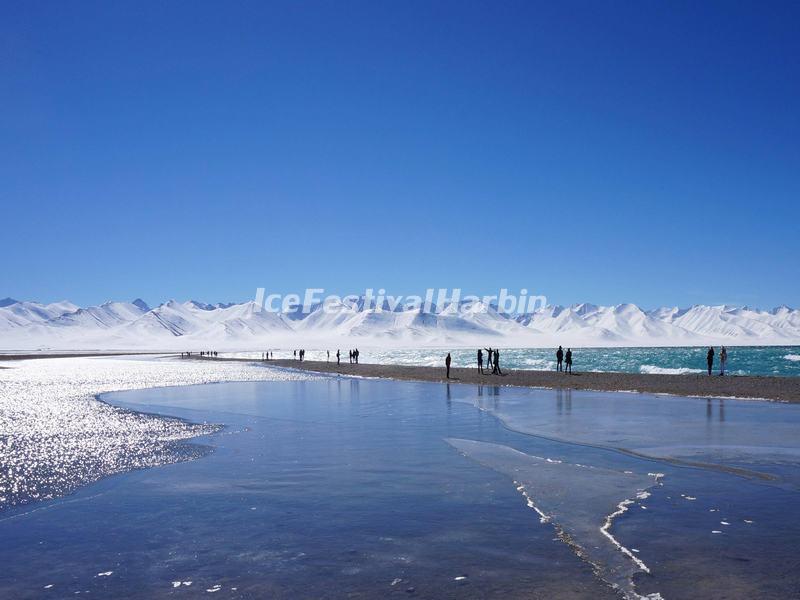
589, 151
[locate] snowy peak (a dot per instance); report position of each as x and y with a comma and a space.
191, 324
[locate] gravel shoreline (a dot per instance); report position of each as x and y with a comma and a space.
783, 389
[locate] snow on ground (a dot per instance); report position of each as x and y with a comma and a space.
55, 435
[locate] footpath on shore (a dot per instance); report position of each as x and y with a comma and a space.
784, 389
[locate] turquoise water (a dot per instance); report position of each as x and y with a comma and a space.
742, 360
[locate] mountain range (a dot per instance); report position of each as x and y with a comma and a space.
195, 325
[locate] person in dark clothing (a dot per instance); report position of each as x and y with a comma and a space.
355, 355
723, 359
496, 362
710, 359
568, 360
559, 359
350, 355
447, 362
338, 358
489, 357
480, 361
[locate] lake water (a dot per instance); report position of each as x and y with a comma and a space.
742, 360
339, 487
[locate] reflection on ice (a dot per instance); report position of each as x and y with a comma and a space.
580, 501
737, 435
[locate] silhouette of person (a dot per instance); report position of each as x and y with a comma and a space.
489, 358
338, 357
723, 359
710, 359
447, 362
329, 356
480, 361
496, 361
559, 359
568, 360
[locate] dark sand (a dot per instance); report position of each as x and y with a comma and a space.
784, 389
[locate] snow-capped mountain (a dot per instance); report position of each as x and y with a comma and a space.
196, 325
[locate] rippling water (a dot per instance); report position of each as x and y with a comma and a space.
55, 435
742, 360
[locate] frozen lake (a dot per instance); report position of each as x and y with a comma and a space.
338, 487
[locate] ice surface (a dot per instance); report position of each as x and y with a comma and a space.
580, 501
55, 435
756, 439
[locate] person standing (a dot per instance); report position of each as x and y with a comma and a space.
568, 360
489, 357
338, 358
723, 359
496, 361
329, 356
559, 359
710, 359
447, 362
480, 361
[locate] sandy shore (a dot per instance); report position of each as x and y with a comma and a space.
784, 389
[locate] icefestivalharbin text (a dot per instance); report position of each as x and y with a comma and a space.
434, 301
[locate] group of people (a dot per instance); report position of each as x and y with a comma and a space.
492, 360
723, 359
204, 353
564, 360
301, 354
268, 355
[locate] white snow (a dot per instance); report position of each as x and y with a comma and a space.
26, 326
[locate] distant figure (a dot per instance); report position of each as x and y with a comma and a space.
559, 359
355, 355
489, 357
480, 361
723, 359
496, 362
447, 362
710, 359
338, 357
294, 354
329, 356
568, 360
351, 357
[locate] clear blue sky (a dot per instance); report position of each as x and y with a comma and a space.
643, 152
